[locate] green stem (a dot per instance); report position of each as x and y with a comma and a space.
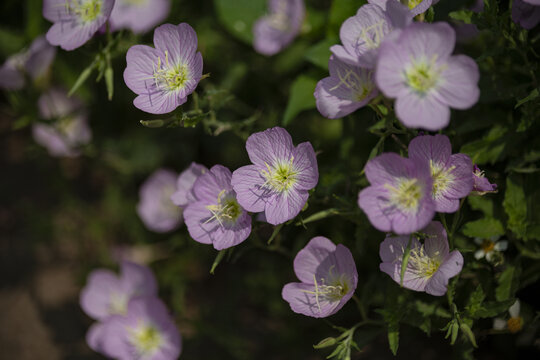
405, 259
361, 307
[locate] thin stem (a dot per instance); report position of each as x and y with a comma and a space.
361, 307
405, 259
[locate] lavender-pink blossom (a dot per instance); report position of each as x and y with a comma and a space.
75, 21
430, 265
164, 76
328, 279
275, 31
184, 194
526, 13
451, 174
155, 208
481, 184
415, 7
280, 177
216, 217
416, 68
139, 16
399, 198
347, 89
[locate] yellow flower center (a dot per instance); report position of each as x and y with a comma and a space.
281, 177
170, 77
352, 81
422, 76
331, 289
515, 324
85, 10
441, 178
413, 3
406, 195
488, 246
146, 339
422, 264
227, 209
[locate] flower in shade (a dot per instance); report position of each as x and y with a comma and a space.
75, 21
164, 76
430, 264
514, 324
155, 207
107, 294
347, 89
451, 174
526, 13
415, 7
280, 177
68, 128
146, 331
362, 34
139, 16
184, 194
491, 249
328, 279
481, 184
275, 31
35, 61
399, 198
216, 217
416, 68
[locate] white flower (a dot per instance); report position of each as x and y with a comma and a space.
490, 248
514, 323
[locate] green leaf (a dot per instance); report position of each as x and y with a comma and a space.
340, 11
217, 260
493, 308
238, 16
82, 78
319, 54
515, 206
454, 331
462, 15
393, 337
481, 203
274, 233
533, 95
318, 216
324, 343
504, 289
10, 42
483, 228
467, 331
109, 81
475, 301
301, 98
489, 149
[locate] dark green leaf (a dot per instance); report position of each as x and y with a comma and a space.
238, 16
319, 54
483, 228
515, 206
504, 290
533, 95
301, 98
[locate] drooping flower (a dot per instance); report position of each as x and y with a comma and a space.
275, 31
416, 68
216, 217
69, 127
146, 331
347, 89
155, 207
107, 294
362, 34
399, 198
164, 76
280, 177
491, 249
184, 194
451, 174
430, 264
75, 21
139, 16
328, 279
514, 324
35, 61
481, 184
415, 7
526, 13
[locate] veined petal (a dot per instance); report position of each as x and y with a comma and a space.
265, 147
308, 259
458, 86
179, 42
247, 182
285, 206
425, 112
302, 299
305, 164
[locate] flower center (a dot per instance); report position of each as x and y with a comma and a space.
361, 88
488, 246
281, 177
331, 289
118, 304
413, 3
515, 324
422, 264
279, 19
371, 36
423, 76
146, 339
85, 10
406, 195
441, 178
227, 209
169, 77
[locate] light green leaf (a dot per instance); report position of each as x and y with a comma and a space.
475, 301
533, 95
481, 203
340, 11
301, 98
515, 206
483, 228
319, 54
505, 287
238, 16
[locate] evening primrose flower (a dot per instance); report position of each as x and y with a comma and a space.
216, 217
107, 294
164, 76
430, 264
490, 249
184, 194
362, 34
139, 16
275, 31
526, 13
399, 198
155, 207
68, 129
481, 184
451, 173
75, 21
146, 331
328, 279
347, 89
514, 324
280, 177
415, 7
416, 68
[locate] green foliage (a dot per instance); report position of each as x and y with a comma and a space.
300, 99
319, 53
515, 206
484, 228
239, 16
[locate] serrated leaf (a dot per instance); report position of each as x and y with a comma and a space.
504, 289
483, 228
481, 203
493, 308
489, 149
515, 206
475, 301
393, 336
300, 98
